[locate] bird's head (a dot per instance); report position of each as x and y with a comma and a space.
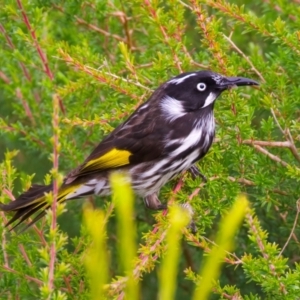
194, 91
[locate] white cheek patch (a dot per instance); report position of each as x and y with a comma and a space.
172, 108
182, 79
210, 99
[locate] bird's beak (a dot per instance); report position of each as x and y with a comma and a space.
229, 82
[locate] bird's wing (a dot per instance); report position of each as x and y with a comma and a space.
138, 140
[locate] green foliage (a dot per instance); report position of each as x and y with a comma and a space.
71, 71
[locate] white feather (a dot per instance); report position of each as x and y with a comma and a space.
189, 160
210, 99
155, 168
99, 186
172, 108
191, 140
182, 79
79, 191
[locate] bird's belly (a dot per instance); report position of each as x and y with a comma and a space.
149, 179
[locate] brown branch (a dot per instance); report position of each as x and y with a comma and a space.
25, 105
228, 9
3, 242
22, 249
35, 280
124, 20
30, 278
242, 180
12, 46
4, 77
163, 30
285, 144
235, 47
203, 245
276, 121
95, 74
270, 155
255, 232
203, 22
292, 146
99, 30
41, 54
39, 50
55, 124
24, 133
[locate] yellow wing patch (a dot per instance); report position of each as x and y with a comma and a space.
112, 159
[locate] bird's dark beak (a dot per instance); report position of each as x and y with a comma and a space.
229, 82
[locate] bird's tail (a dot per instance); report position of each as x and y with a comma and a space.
32, 201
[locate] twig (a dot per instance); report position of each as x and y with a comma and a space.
270, 155
154, 15
203, 245
39, 282
3, 243
55, 191
30, 278
42, 55
285, 144
97, 29
4, 77
124, 20
286, 133
293, 228
234, 46
24, 133
25, 105
292, 146
203, 22
95, 74
242, 180
12, 46
276, 121
261, 246
39, 50
138, 84
22, 249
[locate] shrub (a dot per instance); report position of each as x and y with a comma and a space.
71, 71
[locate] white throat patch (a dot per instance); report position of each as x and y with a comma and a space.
210, 99
182, 79
172, 108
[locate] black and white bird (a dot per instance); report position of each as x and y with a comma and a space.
165, 136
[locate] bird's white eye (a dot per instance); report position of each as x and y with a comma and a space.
201, 86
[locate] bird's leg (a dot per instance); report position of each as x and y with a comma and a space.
195, 172
152, 202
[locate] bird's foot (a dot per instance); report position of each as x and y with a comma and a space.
195, 172
152, 202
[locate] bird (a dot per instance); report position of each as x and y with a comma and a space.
163, 137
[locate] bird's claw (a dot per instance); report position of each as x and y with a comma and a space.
195, 172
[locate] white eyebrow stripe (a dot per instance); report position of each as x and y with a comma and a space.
182, 79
